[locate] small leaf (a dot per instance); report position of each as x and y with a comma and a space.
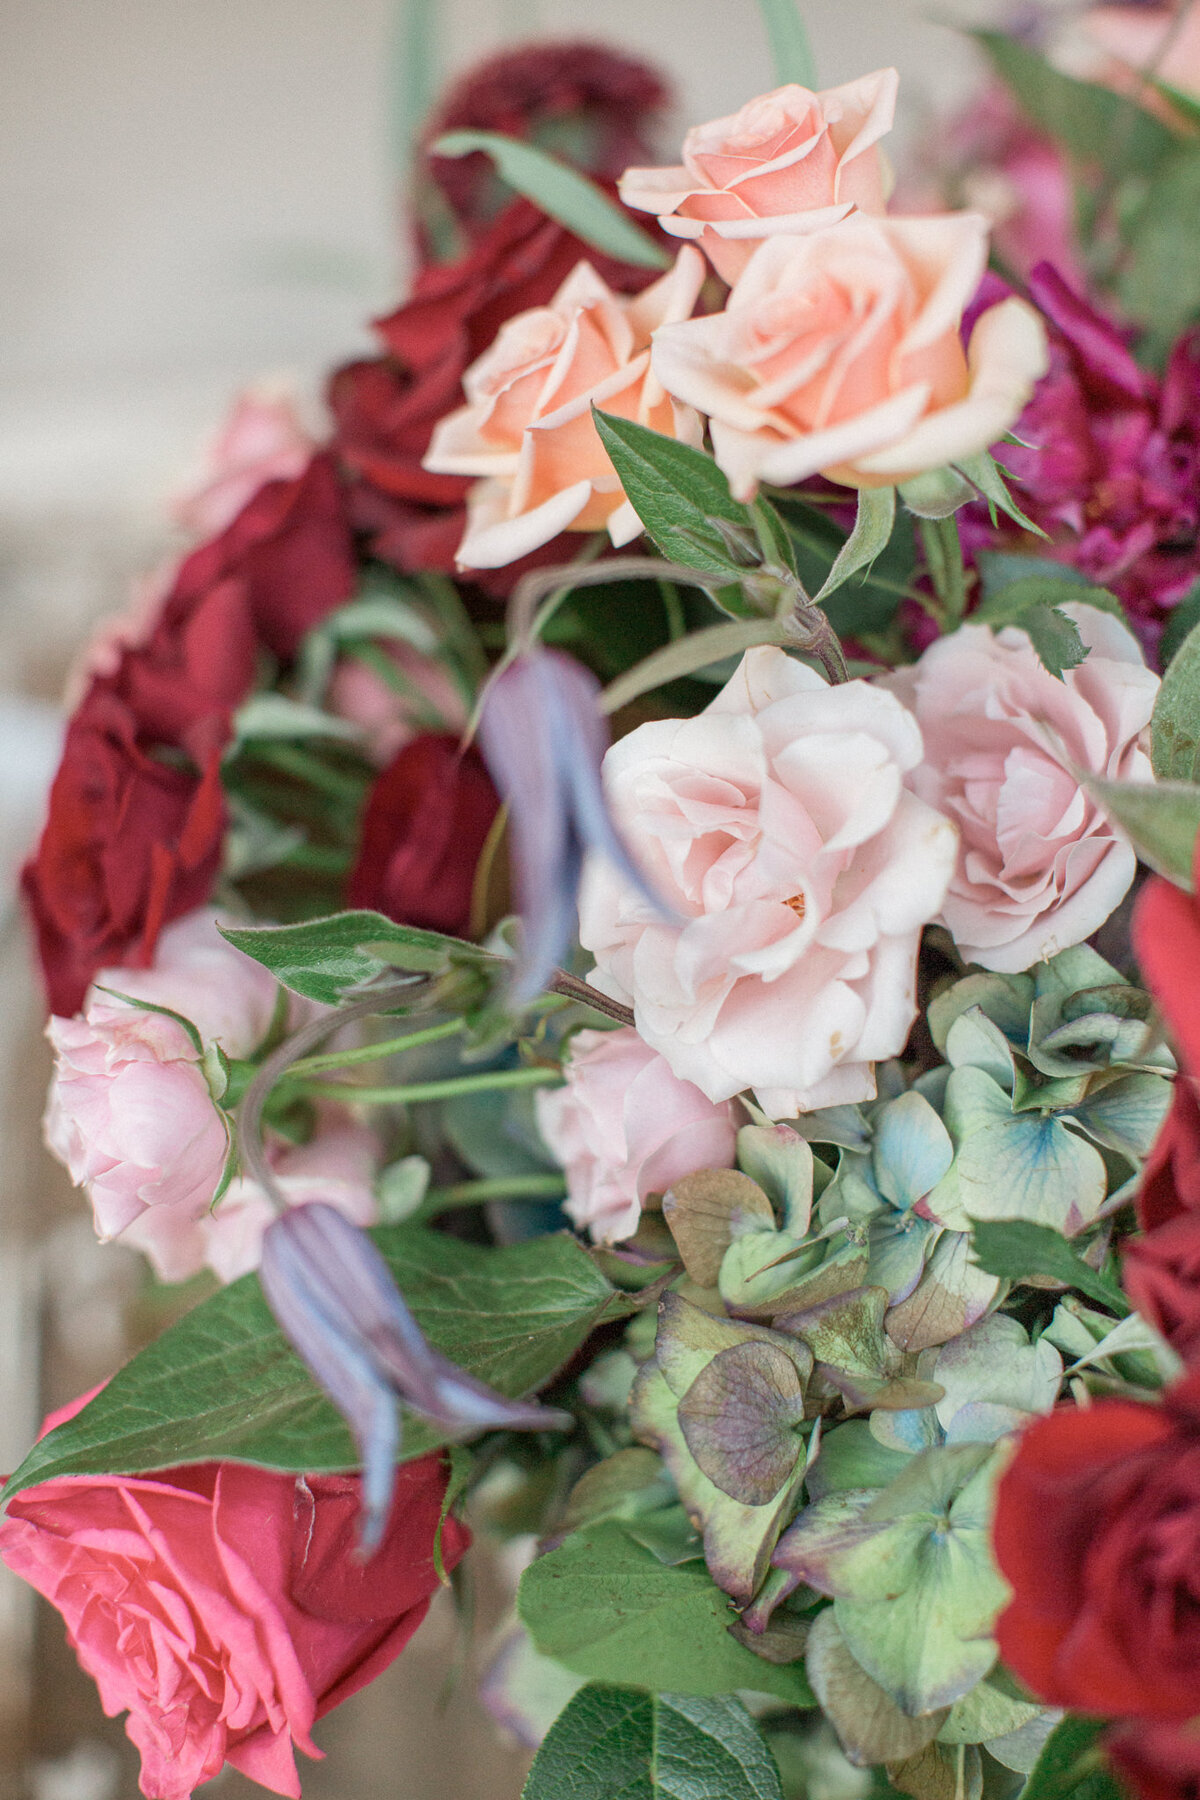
1175, 727
563, 193
677, 492
873, 524
1030, 604
1016, 1249
791, 51
688, 655
1161, 821
985, 473
1043, 584
617, 1743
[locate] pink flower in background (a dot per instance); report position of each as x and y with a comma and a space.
625, 1127
1041, 866
840, 353
789, 161
527, 427
777, 823
262, 440
1162, 39
131, 1111
223, 1607
423, 696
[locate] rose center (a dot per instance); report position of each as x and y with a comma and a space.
798, 904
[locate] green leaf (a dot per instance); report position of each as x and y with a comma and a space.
275, 717
687, 655
222, 1382
1093, 124
1182, 620
873, 524
985, 473
324, 958
1034, 603
1161, 821
617, 1743
1069, 1756
1001, 568
1015, 1249
1045, 585
609, 1609
1160, 283
677, 492
1175, 727
791, 51
563, 193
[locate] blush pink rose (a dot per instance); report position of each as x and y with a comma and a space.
625, 1127
132, 1111
394, 700
788, 162
263, 439
224, 1607
527, 427
840, 353
778, 825
1041, 866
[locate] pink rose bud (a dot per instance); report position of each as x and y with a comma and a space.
132, 1111
788, 162
262, 440
392, 709
1041, 866
624, 1127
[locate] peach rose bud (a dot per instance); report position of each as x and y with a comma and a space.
840, 354
790, 161
527, 429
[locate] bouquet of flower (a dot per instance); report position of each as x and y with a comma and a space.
754, 1161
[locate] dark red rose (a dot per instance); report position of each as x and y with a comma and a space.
425, 825
183, 683
1098, 1529
580, 101
1166, 941
130, 843
1161, 1274
385, 408
1158, 1762
1171, 1177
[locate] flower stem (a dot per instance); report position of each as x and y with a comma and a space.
944, 557
492, 1187
491, 1081
368, 1053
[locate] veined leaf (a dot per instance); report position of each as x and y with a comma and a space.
1015, 1249
324, 958
563, 193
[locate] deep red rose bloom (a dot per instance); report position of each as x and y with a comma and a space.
1171, 1176
385, 408
1098, 1530
1166, 941
425, 825
130, 842
184, 682
1161, 1274
1159, 1762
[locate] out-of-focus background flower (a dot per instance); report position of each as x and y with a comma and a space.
194, 195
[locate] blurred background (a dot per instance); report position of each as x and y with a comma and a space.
195, 194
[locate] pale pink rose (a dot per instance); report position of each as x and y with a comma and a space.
624, 1127
131, 1110
840, 353
262, 440
1041, 866
778, 825
527, 427
1156, 38
338, 1166
423, 696
788, 162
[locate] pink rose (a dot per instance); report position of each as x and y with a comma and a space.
527, 428
624, 1127
262, 440
840, 353
778, 825
224, 1607
392, 710
788, 162
132, 1111
1041, 866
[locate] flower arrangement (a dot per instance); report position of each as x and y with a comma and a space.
756, 1159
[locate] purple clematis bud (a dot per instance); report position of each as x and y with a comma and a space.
337, 1305
543, 738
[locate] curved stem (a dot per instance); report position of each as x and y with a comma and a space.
369, 1053
412, 1094
571, 988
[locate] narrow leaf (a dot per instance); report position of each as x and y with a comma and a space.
872, 529
325, 958
1015, 1249
563, 193
699, 650
1175, 727
1069, 1756
1161, 820
787, 35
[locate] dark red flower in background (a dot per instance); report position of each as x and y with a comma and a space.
1161, 1274
426, 821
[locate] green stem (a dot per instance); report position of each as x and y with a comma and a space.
414, 1093
289, 759
319, 859
492, 1187
943, 554
369, 1053
673, 608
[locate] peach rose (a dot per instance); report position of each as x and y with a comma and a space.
1041, 867
840, 353
624, 1127
777, 823
788, 162
527, 428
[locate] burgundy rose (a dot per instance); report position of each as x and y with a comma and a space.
130, 842
1161, 1274
1166, 940
1159, 1762
426, 822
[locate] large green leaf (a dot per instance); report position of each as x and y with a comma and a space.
563, 193
1017, 1250
1160, 283
617, 1743
223, 1383
609, 1609
791, 51
323, 958
1175, 728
